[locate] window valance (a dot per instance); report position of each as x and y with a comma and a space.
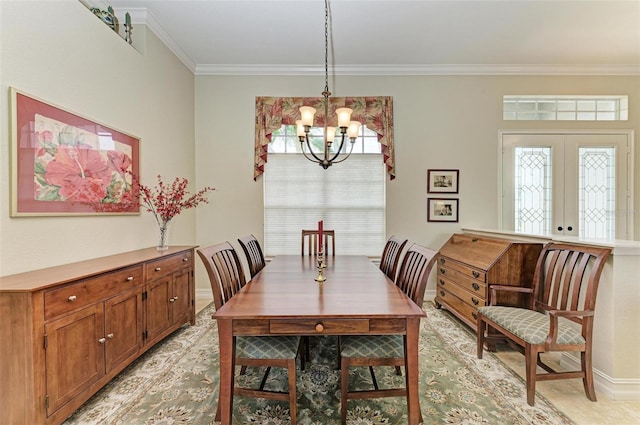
376, 112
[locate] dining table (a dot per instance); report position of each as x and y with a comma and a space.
284, 298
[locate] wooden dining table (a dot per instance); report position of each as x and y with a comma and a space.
284, 299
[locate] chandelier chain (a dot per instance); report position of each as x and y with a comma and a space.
326, 46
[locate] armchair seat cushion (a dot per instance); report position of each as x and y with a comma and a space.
372, 346
267, 347
532, 326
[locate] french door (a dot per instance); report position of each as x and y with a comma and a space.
572, 184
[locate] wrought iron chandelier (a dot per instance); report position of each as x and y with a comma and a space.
347, 127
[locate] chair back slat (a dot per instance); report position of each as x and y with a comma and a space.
567, 278
391, 256
414, 272
225, 271
310, 241
253, 252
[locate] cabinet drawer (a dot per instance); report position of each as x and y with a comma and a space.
89, 291
464, 311
455, 268
158, 268
319, 326
471, 285
473, 299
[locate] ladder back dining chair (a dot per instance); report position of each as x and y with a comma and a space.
385, 350
559, 316
310, 242
253, 253
227, 279
391, 256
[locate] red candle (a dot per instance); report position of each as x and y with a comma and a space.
320, 236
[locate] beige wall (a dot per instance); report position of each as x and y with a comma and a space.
60, 52
440, 122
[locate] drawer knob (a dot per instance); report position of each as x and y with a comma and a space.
102, 340
110, 336
475, 301
130, 278
442, 261
441, 282
319, 327
475, 315
476, 274
442, 271
72, 298
475, 286
442, 293
185, 259
158, 269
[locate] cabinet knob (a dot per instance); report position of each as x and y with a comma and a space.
570, 228
476, 274
158, 269
175, 298
475, 286
102, 340
475, 301
442, 261
185, 259
475, 315
441, 282
171, 300
110, 336
442, 271
130, 278
442, 293
319, 327
72, 298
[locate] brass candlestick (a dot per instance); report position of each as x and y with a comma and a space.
321, 266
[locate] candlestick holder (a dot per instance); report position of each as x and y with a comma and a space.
321, 266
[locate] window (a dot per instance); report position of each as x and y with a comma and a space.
567, 184
566, 108
349, 197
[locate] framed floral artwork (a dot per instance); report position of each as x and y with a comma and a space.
442, 209
66, 164
442, 181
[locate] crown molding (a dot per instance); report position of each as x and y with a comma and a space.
466, 69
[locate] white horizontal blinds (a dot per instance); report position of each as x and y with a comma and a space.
349, 197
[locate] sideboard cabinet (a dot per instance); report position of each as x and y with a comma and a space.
467, 265
66, 331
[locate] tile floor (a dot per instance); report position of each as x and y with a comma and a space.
567, 395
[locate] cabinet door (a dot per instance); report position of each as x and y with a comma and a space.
123, 328
181, 303
74, 354
158, 308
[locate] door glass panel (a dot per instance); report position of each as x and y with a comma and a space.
532, 190
596, 194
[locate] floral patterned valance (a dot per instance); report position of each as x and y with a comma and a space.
375, 112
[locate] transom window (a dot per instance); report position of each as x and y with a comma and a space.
566, 108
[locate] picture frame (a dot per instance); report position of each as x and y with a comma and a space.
65, 164
443, 181
442, 210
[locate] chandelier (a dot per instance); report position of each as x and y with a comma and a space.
347, 127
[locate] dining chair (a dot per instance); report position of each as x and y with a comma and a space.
565, 285
385, 350
253, 252
391, 256
310, 241
227, 279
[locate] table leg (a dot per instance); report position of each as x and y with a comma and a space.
411, 362
227, 366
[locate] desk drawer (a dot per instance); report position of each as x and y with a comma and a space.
475, 299
453, 268
319, 326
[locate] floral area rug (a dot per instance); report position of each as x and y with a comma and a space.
176, 382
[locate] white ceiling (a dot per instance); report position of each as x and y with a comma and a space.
396, 36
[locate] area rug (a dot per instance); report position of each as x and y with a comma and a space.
176, 382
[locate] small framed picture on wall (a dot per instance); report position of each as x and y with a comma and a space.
442, 209
442, 181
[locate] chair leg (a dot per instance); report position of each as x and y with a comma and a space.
531, 363
587, 369
292, 391
344, 385
480, 333
217, 417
